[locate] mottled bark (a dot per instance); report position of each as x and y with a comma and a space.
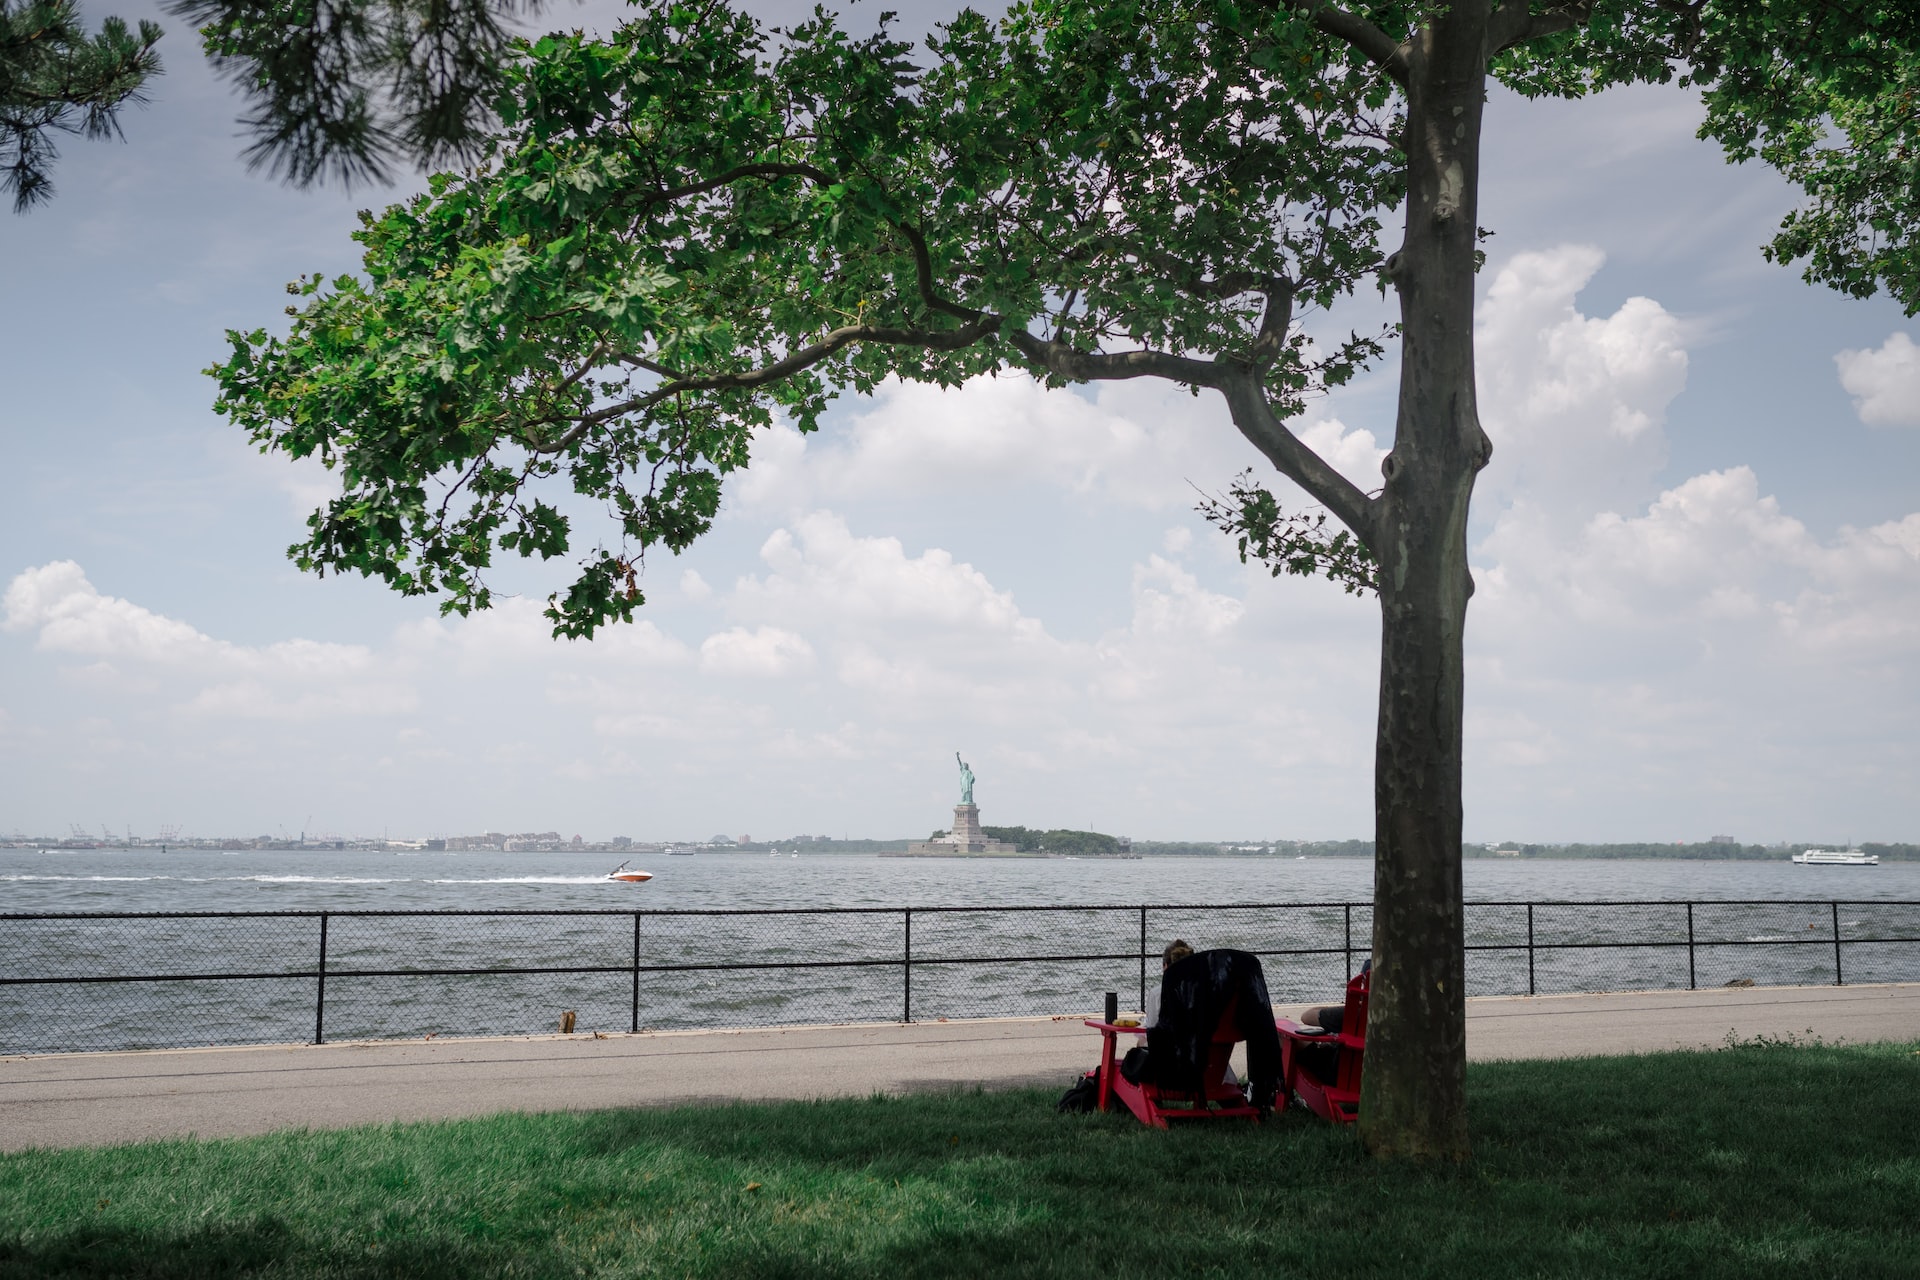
1413, 1103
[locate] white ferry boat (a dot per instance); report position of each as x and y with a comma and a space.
1837, 858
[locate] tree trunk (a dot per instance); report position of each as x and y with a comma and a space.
1413, 1102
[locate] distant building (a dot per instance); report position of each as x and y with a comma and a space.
1721, 840
622, 842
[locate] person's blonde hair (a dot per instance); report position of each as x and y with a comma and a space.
1176, 951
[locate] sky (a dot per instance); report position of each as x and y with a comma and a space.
1697, 552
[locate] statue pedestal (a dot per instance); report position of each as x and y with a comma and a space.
966, 825
966, 837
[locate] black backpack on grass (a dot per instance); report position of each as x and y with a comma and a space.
1082, 1096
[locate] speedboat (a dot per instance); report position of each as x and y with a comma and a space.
1836, 858
621, 873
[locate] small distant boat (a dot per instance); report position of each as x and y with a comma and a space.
626, 876
1836, 858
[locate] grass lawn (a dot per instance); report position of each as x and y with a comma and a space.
1763, 1160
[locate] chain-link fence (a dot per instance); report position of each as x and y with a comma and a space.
96, 981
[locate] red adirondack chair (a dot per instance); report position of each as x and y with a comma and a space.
1153, 1105
1321, 1068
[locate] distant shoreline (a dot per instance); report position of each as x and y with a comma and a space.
1352, 850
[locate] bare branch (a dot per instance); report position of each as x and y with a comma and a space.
763, 170
923, 272
1075, 365
587, 365
1274, 324
651, 366
1390, 55
1294, 460
932, 340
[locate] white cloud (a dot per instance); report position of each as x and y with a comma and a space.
1354, 452
1574, 404
1138, 444
292, 680
1167, 600
763, 652
693, 586
72, 617
819, 569
1884, 382
516, 630
1626, 634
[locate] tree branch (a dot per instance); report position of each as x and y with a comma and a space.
923, 273
769, 169
932, 340
1274, 323
1512, 23
1388, 54
1075, 365
1295, 461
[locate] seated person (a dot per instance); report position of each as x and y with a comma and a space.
1329, 1017
1175, 951
1182, 1021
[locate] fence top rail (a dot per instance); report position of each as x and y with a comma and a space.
630, 912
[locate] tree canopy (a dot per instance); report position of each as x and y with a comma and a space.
685, 229
685, 232
693, 226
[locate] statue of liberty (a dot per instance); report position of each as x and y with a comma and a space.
966, 780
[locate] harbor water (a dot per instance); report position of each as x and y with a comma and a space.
718, 940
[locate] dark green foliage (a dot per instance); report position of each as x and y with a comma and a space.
1297, 543
346, 87
686, 231
1080, 844
1757, 1162
1698, 850
55, 78
826, 844
690, 228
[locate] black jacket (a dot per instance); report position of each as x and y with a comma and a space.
1194, 993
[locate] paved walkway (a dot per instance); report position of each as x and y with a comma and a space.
102, 1098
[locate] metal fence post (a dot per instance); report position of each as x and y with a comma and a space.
320, 987
1530, 948
906, 968
1143, 956
1691, 984
1839, 979
1347, 943
635, 1027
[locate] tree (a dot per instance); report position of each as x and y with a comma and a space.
55, 78
345, 88
339, 88
685, 229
